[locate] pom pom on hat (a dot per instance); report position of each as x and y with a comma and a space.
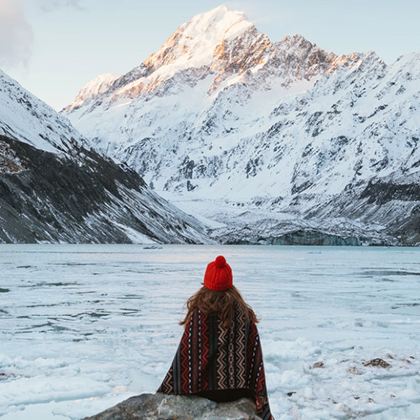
218, 275
220, 261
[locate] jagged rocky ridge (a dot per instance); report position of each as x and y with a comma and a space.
54, 189
268, 142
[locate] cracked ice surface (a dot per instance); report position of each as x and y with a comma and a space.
83, 327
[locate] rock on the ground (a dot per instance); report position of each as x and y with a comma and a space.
377, 363
162, 406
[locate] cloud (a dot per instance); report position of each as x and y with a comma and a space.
53, 5
16, 34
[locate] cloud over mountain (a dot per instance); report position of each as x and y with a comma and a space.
16, 34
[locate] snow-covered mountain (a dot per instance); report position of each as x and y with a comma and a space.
54, 189
262, 139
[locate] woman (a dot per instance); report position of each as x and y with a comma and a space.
219, 356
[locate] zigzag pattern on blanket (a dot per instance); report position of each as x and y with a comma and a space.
211, 357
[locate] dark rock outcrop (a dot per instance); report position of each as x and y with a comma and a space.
82, 197
378, 362
161, 406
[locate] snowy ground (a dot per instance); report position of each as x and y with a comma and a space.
83, 327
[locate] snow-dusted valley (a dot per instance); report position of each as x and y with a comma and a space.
83, 327
267, 142
54, 189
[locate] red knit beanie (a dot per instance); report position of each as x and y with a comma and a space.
218, 275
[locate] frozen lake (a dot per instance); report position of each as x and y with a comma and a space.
83, 327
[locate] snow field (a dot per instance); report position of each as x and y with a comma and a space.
83, 327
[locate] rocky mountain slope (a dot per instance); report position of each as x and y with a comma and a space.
262, 139
54, 189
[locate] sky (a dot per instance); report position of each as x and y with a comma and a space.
53, 47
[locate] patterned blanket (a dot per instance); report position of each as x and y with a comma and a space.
213, 358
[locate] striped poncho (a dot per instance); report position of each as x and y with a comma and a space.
211, 358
